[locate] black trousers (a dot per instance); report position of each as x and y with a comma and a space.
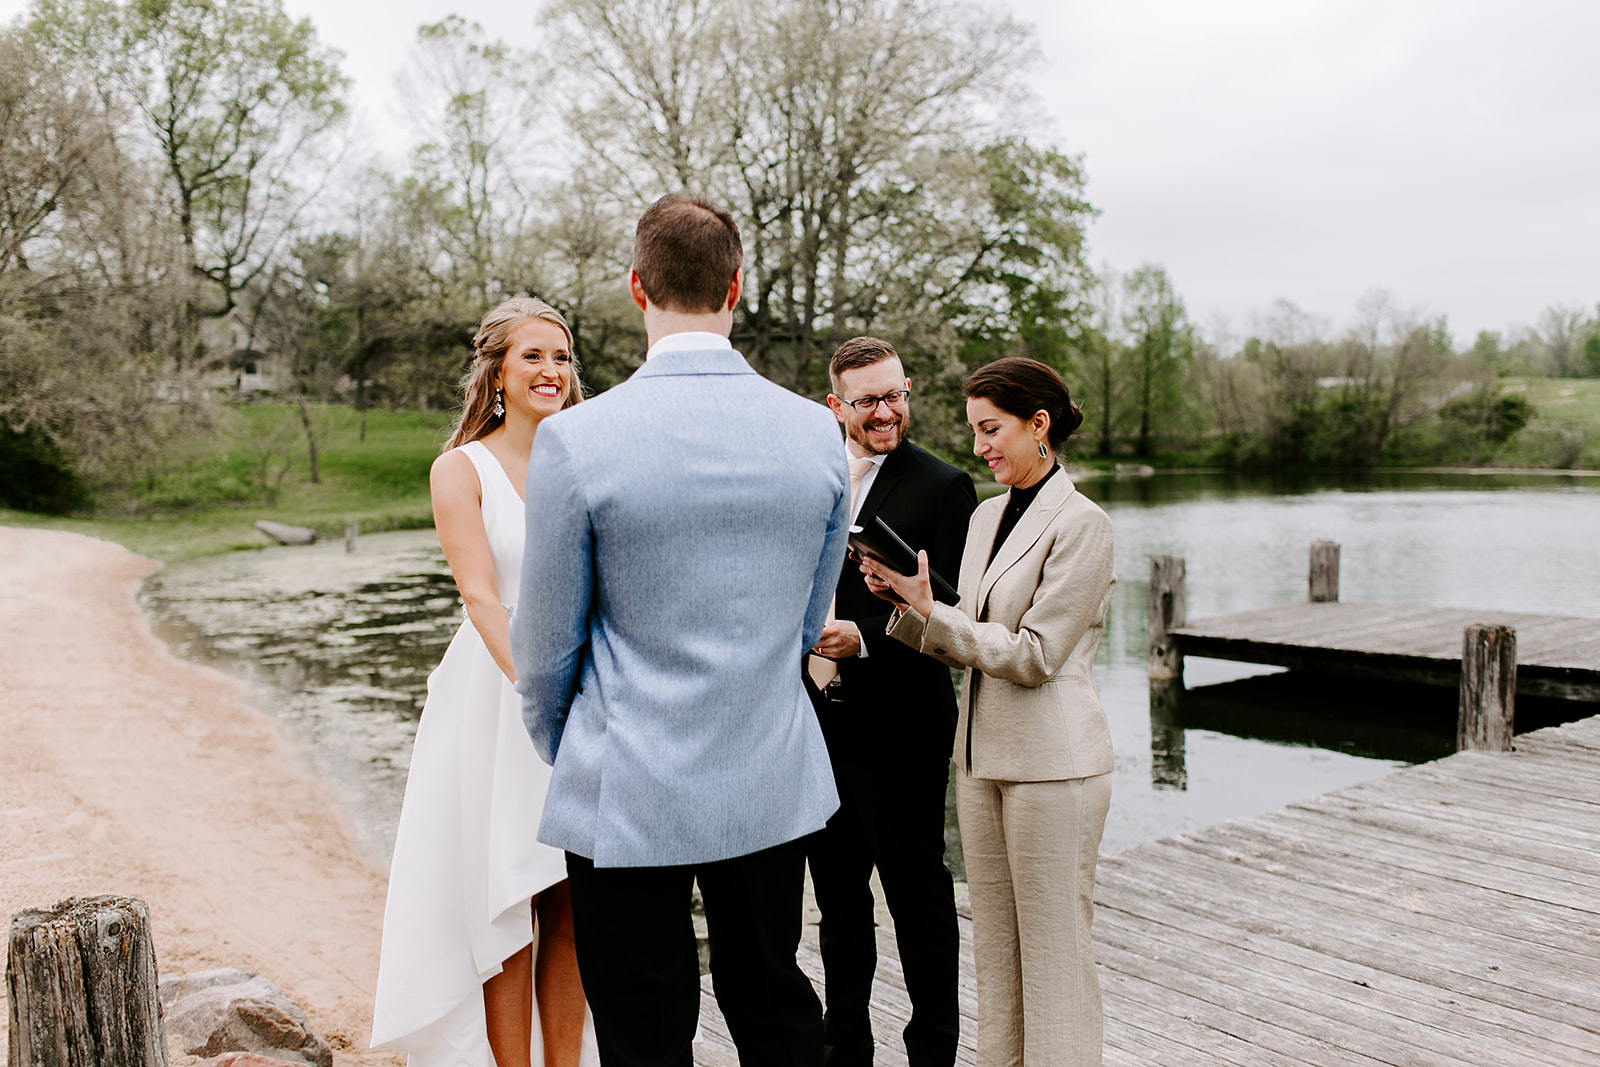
641, 972
891, 818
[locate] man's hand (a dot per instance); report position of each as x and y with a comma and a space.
840, 639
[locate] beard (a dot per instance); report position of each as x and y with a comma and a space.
872, 446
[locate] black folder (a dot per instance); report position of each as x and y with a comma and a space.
875, 538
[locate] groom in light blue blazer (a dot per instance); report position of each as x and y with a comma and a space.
686, 530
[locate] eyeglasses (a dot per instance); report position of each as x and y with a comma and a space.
868, 404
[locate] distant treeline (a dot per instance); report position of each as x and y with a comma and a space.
1393, 388
184, 204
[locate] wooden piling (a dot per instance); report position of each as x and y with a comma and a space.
351, 529
81, 986
1488, 689
1166, 613
1323, 579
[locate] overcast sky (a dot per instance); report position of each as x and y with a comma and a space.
1446, 150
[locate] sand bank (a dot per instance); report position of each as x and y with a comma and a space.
126, 770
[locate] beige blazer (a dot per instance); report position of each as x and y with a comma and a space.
1026, 630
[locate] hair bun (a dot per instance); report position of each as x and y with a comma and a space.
1072, 419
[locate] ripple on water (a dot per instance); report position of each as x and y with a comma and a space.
339, 647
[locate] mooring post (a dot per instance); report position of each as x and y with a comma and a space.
1324, 575
351, 529
1166, 614
1488, 689
81, 986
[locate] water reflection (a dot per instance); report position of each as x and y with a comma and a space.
1374, 720
1167, 767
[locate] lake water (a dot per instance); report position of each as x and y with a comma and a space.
339, 646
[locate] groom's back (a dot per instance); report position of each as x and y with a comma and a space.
709, 506
710, 495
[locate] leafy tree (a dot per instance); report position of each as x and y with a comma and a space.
1473, 426
1161, 347
1489, 347
237, 102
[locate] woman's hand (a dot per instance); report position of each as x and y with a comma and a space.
914, 591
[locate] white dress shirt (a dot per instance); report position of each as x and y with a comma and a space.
689, 341
866, 480
861, 496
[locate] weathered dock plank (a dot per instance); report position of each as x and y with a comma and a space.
1445, 914
1557, 656
1404, 989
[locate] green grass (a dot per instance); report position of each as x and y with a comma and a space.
1565, 431
209, 504
1572, 402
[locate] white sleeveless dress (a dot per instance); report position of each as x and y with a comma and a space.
466, 862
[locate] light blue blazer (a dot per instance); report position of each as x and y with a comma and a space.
686, 529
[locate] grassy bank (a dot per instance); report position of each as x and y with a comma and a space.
1565, 432
256, 468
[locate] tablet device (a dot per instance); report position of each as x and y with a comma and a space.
875, 538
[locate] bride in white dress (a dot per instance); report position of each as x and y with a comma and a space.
468, 978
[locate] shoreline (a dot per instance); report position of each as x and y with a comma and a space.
156, 536
128, 770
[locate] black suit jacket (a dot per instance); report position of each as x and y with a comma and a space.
899, 705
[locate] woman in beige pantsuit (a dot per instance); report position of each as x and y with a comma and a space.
1033, 750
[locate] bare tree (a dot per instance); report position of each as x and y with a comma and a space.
50, 135
857, 143
1560, 338
473, 104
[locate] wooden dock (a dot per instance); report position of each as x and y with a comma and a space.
1556, 656
1446, 914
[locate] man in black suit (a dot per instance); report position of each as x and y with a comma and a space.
889, 715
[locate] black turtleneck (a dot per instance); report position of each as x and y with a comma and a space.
1016, 503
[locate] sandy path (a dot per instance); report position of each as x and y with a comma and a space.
126, 770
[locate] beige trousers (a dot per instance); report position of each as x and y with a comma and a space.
1031, 849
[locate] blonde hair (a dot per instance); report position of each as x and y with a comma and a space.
489, 345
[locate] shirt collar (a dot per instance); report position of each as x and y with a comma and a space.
876, 458
689, 341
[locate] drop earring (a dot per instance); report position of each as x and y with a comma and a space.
499, 403
1043, 453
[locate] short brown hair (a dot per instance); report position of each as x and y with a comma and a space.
1023, 387
686, 251
858, 352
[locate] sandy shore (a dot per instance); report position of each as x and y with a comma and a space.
126, 770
